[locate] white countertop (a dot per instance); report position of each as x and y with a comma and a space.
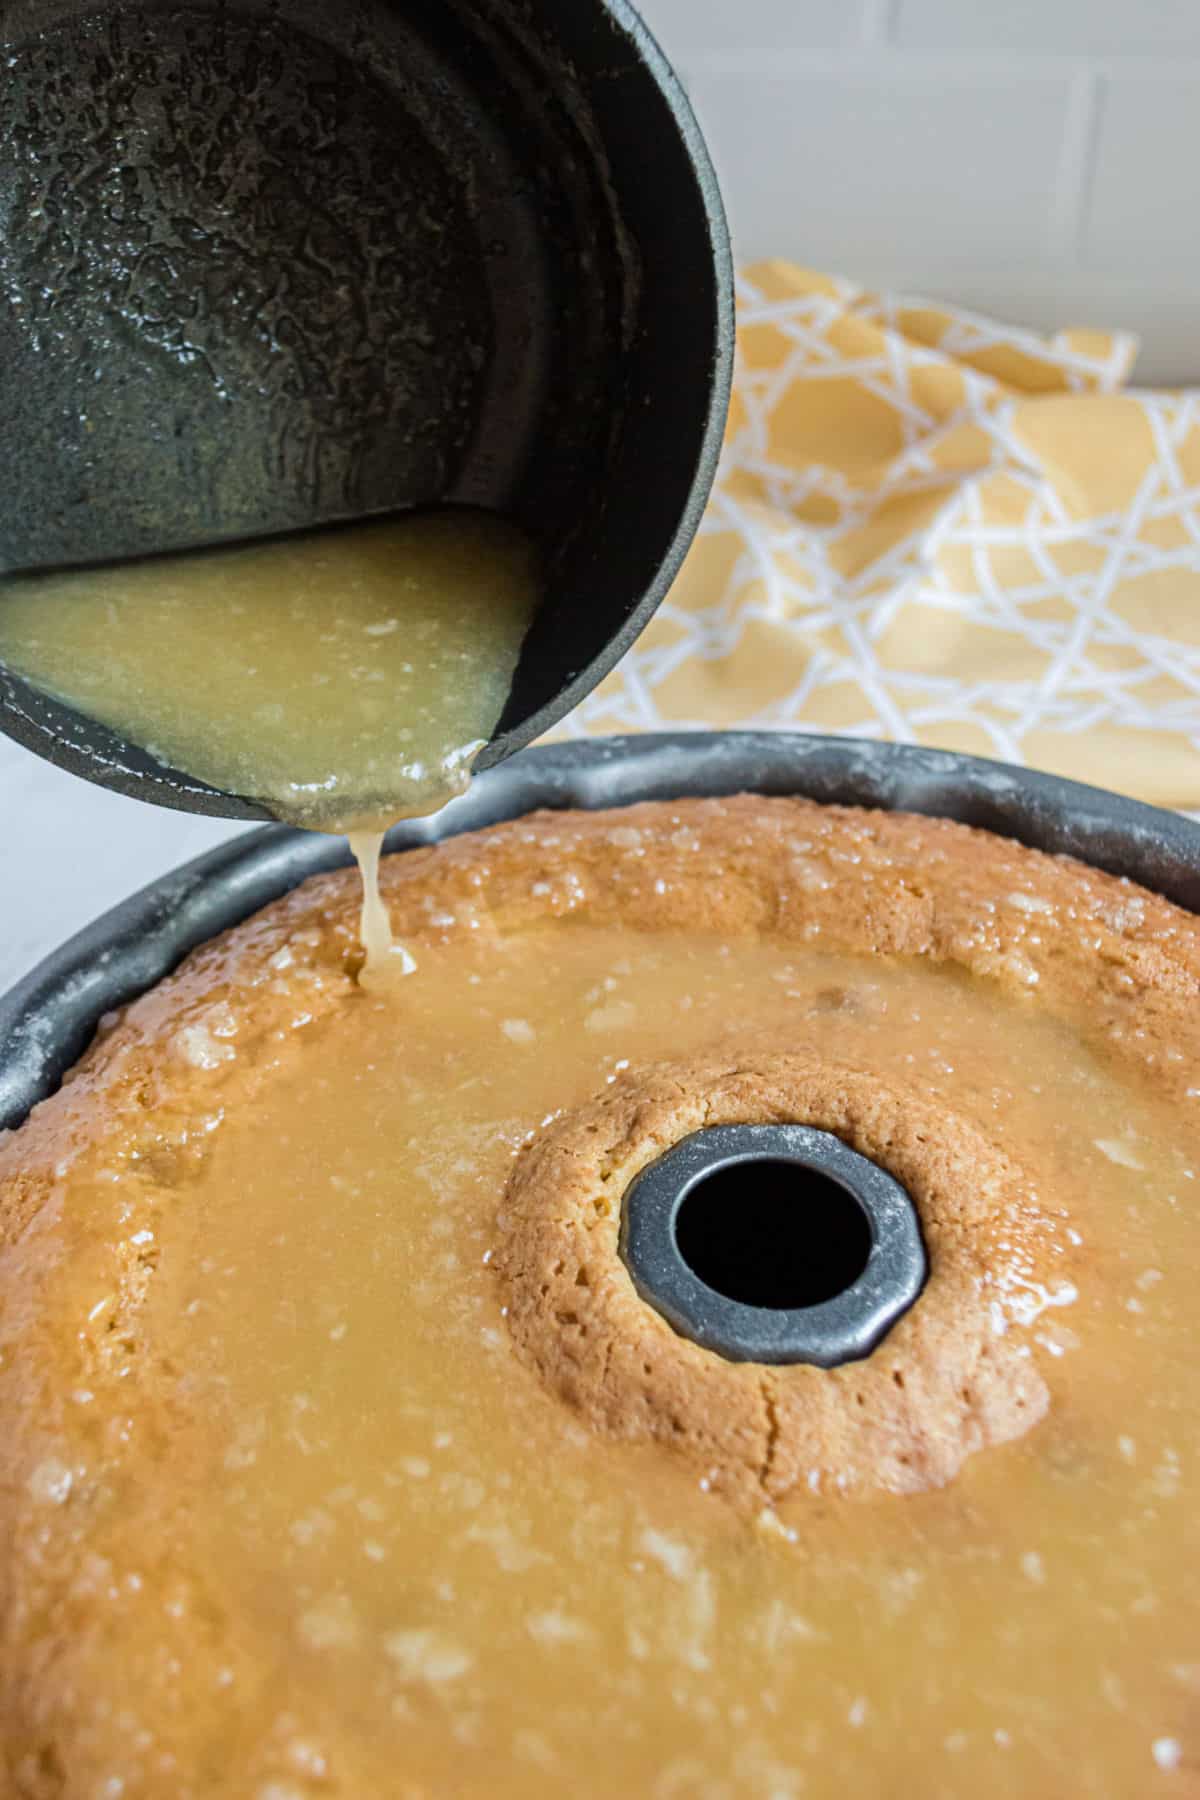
69, 850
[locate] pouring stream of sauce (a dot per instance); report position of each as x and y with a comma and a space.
384, 954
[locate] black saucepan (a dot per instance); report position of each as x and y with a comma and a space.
272, 263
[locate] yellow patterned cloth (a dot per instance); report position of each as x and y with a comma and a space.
933, 528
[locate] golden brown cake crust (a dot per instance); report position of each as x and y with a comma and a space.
146, 1099
944, 1382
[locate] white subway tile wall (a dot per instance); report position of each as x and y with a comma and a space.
865, 162
1035, 158
1073, 27
1143, 199
706, 25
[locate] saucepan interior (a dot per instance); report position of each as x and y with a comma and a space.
271, 263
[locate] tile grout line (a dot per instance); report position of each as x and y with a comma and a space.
877, 24
874, 49
1071, 197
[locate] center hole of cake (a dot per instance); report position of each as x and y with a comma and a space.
772, 1233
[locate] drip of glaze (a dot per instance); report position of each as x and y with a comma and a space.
385, 957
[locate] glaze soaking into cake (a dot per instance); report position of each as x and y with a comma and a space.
342, 1458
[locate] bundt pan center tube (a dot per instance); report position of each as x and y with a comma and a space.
716, 1241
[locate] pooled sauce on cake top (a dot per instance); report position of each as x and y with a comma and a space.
345, 679
362, 1456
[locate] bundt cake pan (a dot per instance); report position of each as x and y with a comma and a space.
47, 1020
